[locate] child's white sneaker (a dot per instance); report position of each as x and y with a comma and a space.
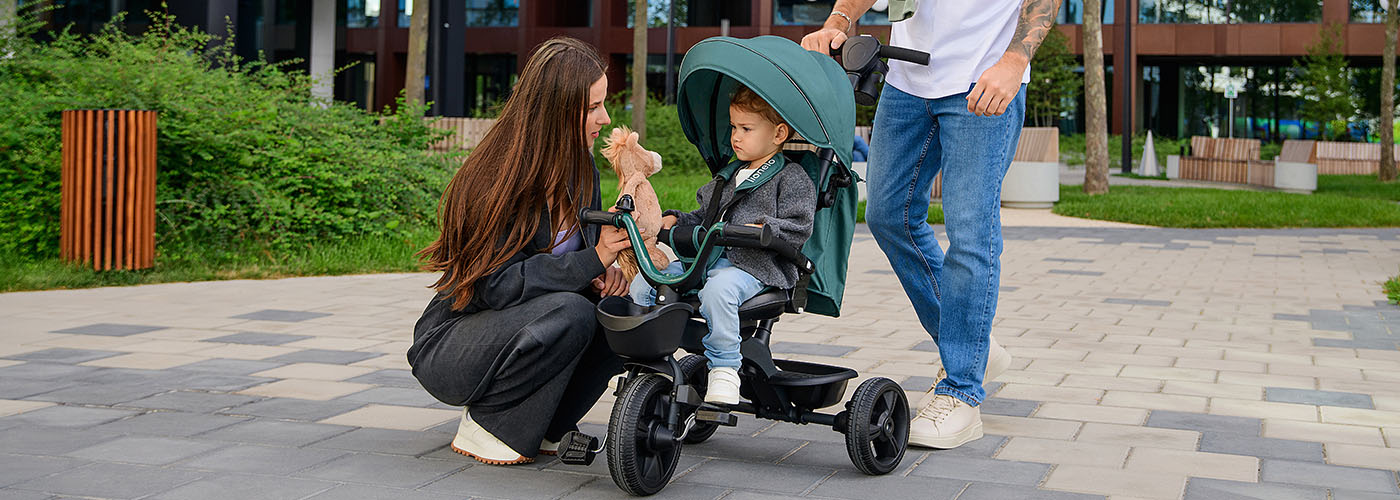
722, 386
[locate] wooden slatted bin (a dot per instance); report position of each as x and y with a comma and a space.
109, 188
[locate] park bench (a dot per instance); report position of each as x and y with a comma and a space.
1348, 158
1226, 160
466, 132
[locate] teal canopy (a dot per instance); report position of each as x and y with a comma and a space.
809, 89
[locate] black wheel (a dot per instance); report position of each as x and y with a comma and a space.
877, 431
639, 464
696, 370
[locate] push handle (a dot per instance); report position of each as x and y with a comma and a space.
601, 217
903, 54
735, 234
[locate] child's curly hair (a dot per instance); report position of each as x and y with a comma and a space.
747, 100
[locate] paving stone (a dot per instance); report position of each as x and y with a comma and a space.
294, 409
396, 396
24, 495
258, 338
757, 449
1319, 398
918, 383
275, 432
280, 315
810, 432
823, 455
994, 491
977, 448
104, 480
1007, 407
275, 460
19, 468
170, 423
1237, 444
1311, 474
1361, 495
1062, 259
239, 487
198, 402
220, 383
747, 475
366, 492
1075, 272
389, 377
133, 376
402, 472
324, 356
854, 485
985, 470
502, 482
603, 488
1204, 423
41, 440
926, 346
1219, 489
834, 351
99, 394
51, 372
388, 441
1138, 302
18, 388
70, 416
64, 355
111, 329
145, 450
230, 366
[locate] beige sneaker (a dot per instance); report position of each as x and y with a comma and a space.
474, 441
998, 360
548, 447
946, 422
722, 386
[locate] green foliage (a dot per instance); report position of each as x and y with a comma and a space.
246, 157
664, 136
675, 190
1392, 289
1324, 80
1216, 208
1053, 81
1358, 186
1072, 149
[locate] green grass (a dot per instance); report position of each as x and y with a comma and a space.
1358, 186
1215, 208
355, 255
1392, 289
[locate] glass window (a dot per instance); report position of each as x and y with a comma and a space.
1368, 11
1072, 12
493, 12
1229, 11
695, 12
405, 13
814, 13
361, 13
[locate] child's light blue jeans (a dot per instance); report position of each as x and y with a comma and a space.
954, 294
725, 288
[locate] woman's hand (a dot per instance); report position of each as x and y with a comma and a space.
668, 222
611, 282
611, 240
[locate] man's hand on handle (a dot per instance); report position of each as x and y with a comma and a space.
837, 27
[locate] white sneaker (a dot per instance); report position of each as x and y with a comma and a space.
722, 386
474, 441
946, 422
548, 447
998, 360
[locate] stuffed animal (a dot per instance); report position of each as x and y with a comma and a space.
634, 164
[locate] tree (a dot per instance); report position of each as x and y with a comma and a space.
1325, 84
1387, 122
417, 52
7, 18
639, 69
1052, 80
1095, 102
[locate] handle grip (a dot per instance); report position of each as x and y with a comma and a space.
602, 217
739, 235
903, 54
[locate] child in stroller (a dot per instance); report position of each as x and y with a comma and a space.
759, 188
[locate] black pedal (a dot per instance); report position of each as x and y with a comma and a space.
577, 448
716, 417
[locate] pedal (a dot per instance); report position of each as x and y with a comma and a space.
716, 417
577, 448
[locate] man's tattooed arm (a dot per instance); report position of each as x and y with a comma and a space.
1037, 19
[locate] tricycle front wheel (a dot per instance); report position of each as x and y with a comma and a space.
640, 458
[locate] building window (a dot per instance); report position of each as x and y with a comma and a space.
1229, 11
814, 13
695, 12
1072, 12
405, 13
1368, 11
493, 12
361, 13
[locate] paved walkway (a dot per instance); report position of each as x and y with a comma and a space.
1150, 363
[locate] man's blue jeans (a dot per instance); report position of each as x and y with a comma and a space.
954, 294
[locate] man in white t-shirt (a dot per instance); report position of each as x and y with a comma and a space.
961, 115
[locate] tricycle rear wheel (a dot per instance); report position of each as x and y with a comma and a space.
877, 429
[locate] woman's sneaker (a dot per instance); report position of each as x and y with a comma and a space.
722, 386
548, 447
474, 441
946, 422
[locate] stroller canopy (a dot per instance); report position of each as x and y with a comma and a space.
809, 90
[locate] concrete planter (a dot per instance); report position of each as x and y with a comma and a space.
1031, 184
1173, 166
1295, 177
859, 168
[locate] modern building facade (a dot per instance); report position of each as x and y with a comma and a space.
1183, 55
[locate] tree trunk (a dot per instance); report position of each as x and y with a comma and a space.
639, 70
1387, 125
417, 52
7, 18
1095, 105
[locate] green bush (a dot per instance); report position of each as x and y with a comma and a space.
663, 135
246, 157
1072, 149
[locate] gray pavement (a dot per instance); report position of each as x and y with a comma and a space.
1149, 363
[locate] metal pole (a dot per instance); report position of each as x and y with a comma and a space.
1127, 65
670, 51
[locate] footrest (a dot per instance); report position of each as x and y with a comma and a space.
577, 448
716, 417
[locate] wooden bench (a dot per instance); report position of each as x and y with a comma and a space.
1227, 160
466, 132
1037, 144
1348, 158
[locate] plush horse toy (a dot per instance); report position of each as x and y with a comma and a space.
634, 164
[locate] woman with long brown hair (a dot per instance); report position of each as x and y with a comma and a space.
511, 334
